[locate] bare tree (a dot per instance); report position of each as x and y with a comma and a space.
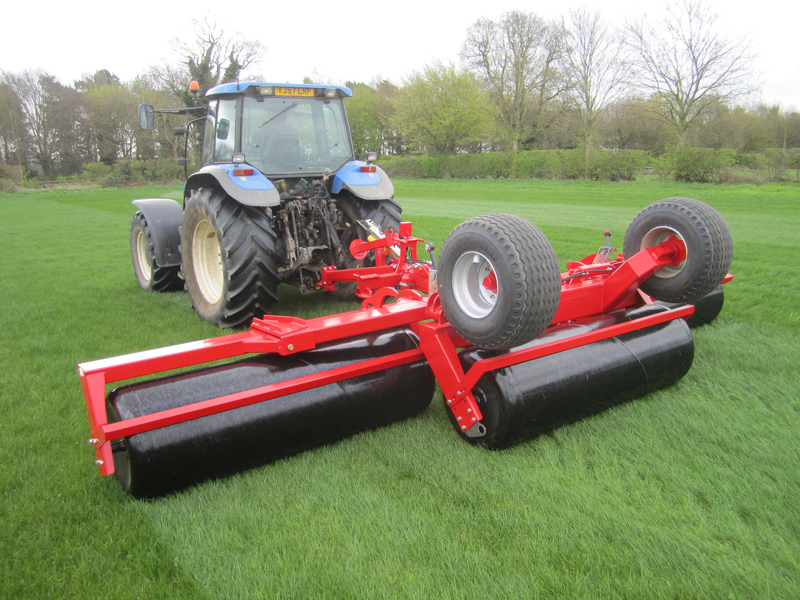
688, 65
212, 57
517, 58
13, 131
596, 69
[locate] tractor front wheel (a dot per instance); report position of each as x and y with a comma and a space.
229, 258
709, 247
150, 276
498, 281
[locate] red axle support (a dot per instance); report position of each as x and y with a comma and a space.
587, 289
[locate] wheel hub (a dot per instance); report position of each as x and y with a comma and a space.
475, 285
207, 261
656, 237
143, 251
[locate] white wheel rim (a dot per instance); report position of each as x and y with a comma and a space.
207, 261
143, 254
473, 294
656, 237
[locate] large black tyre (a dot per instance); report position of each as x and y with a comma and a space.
229, 258
150, 276
519, 301
385, 213
709, 247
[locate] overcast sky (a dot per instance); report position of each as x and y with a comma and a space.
339, 41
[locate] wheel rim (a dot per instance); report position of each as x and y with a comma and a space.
143, 253
207, 261
656, 237
475, 285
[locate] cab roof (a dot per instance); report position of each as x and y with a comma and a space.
239, 88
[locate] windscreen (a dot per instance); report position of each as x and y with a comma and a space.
286, 136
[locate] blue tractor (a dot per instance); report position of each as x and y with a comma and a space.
278, 197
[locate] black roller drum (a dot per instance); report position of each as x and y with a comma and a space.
156, 462
706, 309
527, 399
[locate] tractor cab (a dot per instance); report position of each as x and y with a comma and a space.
286, 132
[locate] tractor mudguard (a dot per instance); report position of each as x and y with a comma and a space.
374, 185
163, 218
250, 189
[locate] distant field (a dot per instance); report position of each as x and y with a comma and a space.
691, 492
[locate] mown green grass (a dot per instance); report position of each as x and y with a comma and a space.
691, 492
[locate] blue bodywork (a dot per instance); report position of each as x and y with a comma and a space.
351, 176
257, 181
237, 88
258, 190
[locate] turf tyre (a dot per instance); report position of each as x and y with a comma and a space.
709, 247
150, 276
527, 286
229, 258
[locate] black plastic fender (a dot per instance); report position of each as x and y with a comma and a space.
164, 218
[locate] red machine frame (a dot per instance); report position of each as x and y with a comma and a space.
587, 288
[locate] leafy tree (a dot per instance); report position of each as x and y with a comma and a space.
65, 113
517, 58
393, 139
112, 111
48, 123
688, 66
365, 125
442, 108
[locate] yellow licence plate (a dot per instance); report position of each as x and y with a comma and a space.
291, 91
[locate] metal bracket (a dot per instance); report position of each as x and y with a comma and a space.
476, 431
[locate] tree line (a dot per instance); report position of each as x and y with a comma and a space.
523, 84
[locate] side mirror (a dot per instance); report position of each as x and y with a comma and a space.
223, 128
147, 120
372, 157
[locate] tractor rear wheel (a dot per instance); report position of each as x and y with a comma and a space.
229, 258
385, 213
150, 276
709, 247
498, 281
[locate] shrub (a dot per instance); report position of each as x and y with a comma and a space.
702, 165
573, 163
620, 165
541, 164
96, 171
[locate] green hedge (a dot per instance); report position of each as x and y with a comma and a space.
609, 165
703, 165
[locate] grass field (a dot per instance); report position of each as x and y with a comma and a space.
692, 492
